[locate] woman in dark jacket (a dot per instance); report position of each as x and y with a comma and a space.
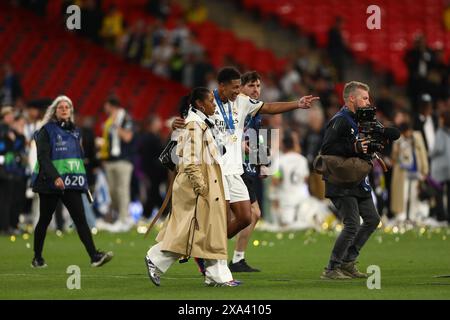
60, 175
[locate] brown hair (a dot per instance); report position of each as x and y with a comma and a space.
249, 77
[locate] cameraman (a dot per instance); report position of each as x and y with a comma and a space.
341, 139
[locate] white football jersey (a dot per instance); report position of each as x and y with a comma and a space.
294, 170
240, 108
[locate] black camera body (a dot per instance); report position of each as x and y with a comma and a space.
370, 129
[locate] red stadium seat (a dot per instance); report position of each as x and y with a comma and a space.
52, 61
402, 20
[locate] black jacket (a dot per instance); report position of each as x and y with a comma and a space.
47, 171
419, 123
339, 140
6, 145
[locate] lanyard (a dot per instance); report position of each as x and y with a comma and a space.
228, 120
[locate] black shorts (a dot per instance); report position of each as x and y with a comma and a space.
250, 182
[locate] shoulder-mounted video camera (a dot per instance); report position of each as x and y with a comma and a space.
371, 129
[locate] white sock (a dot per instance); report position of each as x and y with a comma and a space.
238, 256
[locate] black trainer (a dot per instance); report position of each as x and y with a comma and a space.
101, 258
38, 263
241, 266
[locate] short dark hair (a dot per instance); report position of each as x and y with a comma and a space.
249, 77
114, 101
288, 140
228, 74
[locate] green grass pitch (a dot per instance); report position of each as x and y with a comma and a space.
291, 264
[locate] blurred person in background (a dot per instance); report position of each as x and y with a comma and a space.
292, 181
446, 16
201, 69
117, 153
384, 102
161, 56
91, 17
440, 164
197, 12
311, 147
150, 148
337, 48
112, 27
134, 42
18, 170
426, 121
271, 91
60, 176
180, 34
418, 60
290, 78
7, 160
410, 166
33, 112
159, 8
274, 125
10, 89
91, 163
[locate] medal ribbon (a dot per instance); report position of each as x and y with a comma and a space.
228, 120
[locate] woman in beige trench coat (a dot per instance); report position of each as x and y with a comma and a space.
197, 225
406, 171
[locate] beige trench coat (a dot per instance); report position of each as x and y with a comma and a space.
197, 225
399, 175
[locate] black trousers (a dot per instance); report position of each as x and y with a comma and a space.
354, 235
74, 204
18, 189
12, 199
154, 199
6, 201
441, 212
